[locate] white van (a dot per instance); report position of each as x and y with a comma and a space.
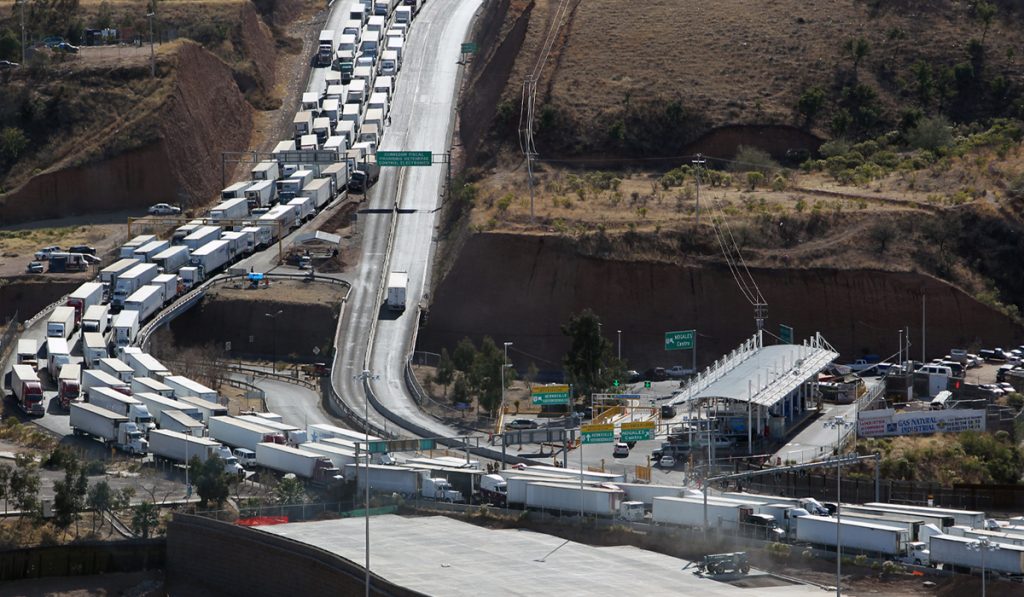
941, 399
937, 376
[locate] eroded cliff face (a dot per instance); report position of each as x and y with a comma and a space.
541, 281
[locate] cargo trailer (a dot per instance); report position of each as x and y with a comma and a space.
96, 319
184, 386
84, 297
94, 348
234, 191
109, 427
176, 420
319, 190
126, 328
596, 501
231, 209
962, 554
61, 323
169, 286
109, 274
211, 257
157, 404
143, 384
178, 447
261, 193
201, 236
207, 409
124, 405
237, 433
147, 301
132, 280
27, 390
256, 238
28, 352
58, 354
302, 463
146, 252
69, 384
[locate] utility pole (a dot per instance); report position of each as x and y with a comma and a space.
152, 51
698, 163
24, 42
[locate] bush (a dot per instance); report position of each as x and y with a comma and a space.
930, 134
754, 179
754, 159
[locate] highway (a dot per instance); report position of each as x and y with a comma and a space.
297, 405
421, 120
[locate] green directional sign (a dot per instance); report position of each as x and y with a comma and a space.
469, 48
683, 340
598, 434
785, 334
380, 447
637, 432
404, 158
549, 395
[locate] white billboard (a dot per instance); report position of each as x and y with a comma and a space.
885, 422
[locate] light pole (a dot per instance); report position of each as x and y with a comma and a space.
838, 423
273, 316
504, 364
982, 545
365, 377
619, 332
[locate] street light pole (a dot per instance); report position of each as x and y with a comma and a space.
365, 376
839, 423
274, 317
619, 332
504, 364
982, 545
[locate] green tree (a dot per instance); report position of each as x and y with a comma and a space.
10, 46
290, 491
464, 355
69, 496
460, 390
445, 370
985, 12
211, 482
145, 518
858, 48
486, 374
754, 179
13, 144
104, 16
101, 498
810, 104
589, 353
24, 487
924, 82
930, 134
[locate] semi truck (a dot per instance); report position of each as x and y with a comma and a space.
96, 319
962, 554
338, 455
731, 516
58, 354
178, 447
146, 252
145, 365
128, 248
184, 386
234, 191
146, 301
168, 284
118, 369
94, 378
109, 427
201, 236
126, 328
27, 389
109, 274
890, 541
242, 434
123, 404
85, 296
325, 47
157, 404
207, 409
280, 220
319, 190
176, 420
94, 348
408, 482
28, 352
494, 489
211, 257
266, 170
142, 384
231, 209
302, 463
293, 435
61, 323
321, 431
238, 243
69, 384
398, 283
597, 501
261, 193
971, 518
132, 280
170, 260
304, 208
365, 173
302, 123
256, 237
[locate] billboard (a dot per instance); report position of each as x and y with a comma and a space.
888, 422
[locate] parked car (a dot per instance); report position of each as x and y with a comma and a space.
164, 209
1003, 370
34, 267
990, 354
974, 361
44, 253
83, 249
66, 47
620, 450
633, 376
667, 461
656, 374
522, 424
668, 411
678, 371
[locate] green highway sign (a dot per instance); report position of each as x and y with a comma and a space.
683, 340
552, 394
428, 444
637, 432
404, 158
469, 48
380, 447
598, 434
785, 334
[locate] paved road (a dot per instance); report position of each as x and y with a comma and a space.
421, 120
297, 405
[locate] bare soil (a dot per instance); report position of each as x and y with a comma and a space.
284, 291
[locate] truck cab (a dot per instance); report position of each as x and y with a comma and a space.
440, 490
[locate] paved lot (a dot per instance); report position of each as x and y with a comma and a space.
440, 556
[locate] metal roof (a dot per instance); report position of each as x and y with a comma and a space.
763, 375
319, 236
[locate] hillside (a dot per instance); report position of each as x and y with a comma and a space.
652, 81
94, 131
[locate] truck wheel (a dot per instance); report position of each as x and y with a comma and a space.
745, 568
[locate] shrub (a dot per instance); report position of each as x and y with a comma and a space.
930, 134
779, 183
754, 159
754, 179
